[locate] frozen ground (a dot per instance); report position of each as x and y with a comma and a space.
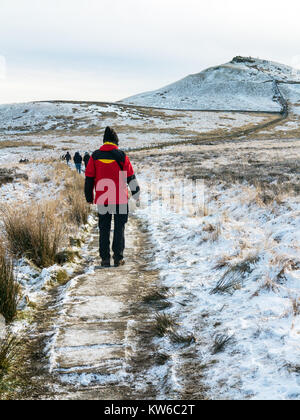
80, 127
228, 276
39, 186
55, 117
247, 238
230, 272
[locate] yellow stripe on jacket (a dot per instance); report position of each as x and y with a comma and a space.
106, 160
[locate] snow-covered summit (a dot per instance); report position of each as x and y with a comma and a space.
245, 84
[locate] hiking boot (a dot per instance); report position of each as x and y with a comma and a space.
119, 263
105, 263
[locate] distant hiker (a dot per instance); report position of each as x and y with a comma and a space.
78, 161
68, 157
86, 159
109, 171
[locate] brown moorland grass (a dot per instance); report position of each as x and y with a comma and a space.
9, 289
235, 275
8, 351
78, 210
36, 233
18, 143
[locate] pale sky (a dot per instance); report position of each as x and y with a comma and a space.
106, 50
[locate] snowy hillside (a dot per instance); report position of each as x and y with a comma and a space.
233, 272
243, 84
30, 129
77, 118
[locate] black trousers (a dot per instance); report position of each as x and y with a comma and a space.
118, 246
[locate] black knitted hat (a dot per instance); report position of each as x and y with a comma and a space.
110, 136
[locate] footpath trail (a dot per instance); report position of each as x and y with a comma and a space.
103, 347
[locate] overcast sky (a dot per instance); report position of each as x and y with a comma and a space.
107, 50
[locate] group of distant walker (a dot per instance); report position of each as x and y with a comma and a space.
78, 159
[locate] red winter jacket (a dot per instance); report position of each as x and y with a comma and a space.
108, 172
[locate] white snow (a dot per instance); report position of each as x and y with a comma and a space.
262, 359
39, 187
43, 116
135, 127
288, 126
292, 93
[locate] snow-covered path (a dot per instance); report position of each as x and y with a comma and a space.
104, 344
92, 346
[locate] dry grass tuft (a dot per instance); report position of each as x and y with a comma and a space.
8, 350
220, 342
235, 275
293, 368
62, 277
9, 289
73, 181
79, 211
283, 264
163, 324
269, 284
182, 339
209, 228
17, 143
159, 299
48, 147
78, 208
213, 232
154, 297
222, 262
296, 306
34, 232
280, 264
66, 256
162, 358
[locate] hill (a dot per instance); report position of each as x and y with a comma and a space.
244, 84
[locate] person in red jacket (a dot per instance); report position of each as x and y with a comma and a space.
109, 172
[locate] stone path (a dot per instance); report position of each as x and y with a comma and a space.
102, 348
